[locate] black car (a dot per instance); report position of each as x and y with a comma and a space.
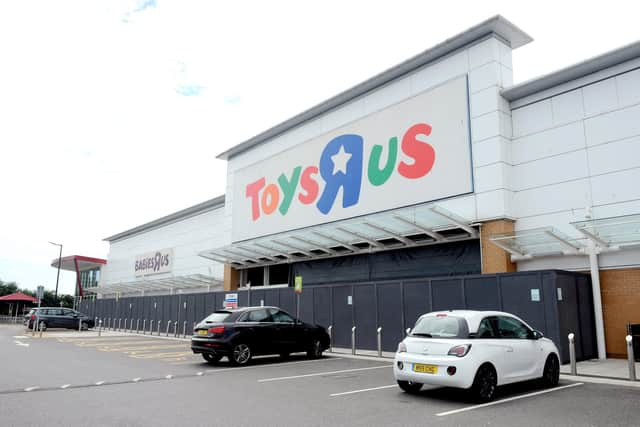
57, 317
239, 334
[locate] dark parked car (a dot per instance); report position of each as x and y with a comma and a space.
57, 317
239, 334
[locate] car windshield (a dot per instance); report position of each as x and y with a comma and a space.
441, 326
217, 317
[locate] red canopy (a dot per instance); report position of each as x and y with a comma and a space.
18, 296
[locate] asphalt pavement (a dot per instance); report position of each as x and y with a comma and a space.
71, 379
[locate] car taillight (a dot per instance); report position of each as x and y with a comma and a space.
459, 350
216, 330
402, 348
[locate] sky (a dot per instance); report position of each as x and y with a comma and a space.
112, 113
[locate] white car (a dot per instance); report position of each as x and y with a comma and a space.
477, 350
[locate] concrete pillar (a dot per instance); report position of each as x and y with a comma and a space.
495, 259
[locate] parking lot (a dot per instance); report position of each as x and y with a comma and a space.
72, 378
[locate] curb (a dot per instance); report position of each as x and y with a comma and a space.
600, 380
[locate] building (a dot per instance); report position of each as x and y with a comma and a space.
438, 166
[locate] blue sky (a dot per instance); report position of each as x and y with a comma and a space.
112, 112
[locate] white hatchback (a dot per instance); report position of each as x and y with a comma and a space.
477, 350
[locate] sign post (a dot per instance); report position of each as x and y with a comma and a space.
298, 290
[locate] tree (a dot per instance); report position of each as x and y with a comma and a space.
7, 288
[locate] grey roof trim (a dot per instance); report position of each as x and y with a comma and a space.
174, 217
496, 25
573, 72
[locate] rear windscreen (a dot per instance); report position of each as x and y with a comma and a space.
441, 327
217, 317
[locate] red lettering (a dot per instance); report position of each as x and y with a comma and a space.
253, 191
310, 185
270, 199
422, 153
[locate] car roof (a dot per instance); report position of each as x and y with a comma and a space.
474, 317
241, 309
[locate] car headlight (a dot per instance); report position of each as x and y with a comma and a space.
402, 347
459, 350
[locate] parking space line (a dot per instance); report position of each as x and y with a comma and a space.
508, 399
344, 393
293, 377
222, 369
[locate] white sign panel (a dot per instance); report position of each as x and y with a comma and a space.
413, 152
154, 263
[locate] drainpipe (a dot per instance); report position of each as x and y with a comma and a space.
597, 300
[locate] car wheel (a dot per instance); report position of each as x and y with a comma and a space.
551, 373
240, 354
211, 358
315, 351
42, 326
409, 386
485, 383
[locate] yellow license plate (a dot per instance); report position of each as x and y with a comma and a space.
425, 369
203, 332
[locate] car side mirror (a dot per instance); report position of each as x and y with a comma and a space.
536, 335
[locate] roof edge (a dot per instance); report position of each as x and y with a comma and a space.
171, 218
572, 72
496, 25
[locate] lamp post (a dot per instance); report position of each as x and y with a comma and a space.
59, 263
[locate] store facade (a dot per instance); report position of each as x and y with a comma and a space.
439, 166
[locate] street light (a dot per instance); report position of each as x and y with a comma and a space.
59, 263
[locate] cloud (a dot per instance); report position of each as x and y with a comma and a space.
232, 99
139, 6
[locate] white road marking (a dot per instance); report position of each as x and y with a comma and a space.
100, 383
264, 380
200, 374
22, 344
275, 364
509, 399
363, 390
21, 337
65, 386
31, 388
169, 376
135, 380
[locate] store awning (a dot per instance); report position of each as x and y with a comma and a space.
83, 263
188, 282
407, 227
603, 235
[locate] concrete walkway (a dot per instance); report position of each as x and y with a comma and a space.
608, 368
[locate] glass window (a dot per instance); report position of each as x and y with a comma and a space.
217, 317
280, 316
486, 329
258, 316
441, 326
67, 312
508, 327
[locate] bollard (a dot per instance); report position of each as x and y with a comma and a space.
631, 358
119, 322
380, 341
144, 326
572, 354
194, 327
175, 329
159, 327
100, 328
184, 329
353, 340
40, 327
330, 332
150, 327
125, 324
108, 323
168, 323
79, 325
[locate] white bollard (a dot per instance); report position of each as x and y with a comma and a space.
631, 358
572, 354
